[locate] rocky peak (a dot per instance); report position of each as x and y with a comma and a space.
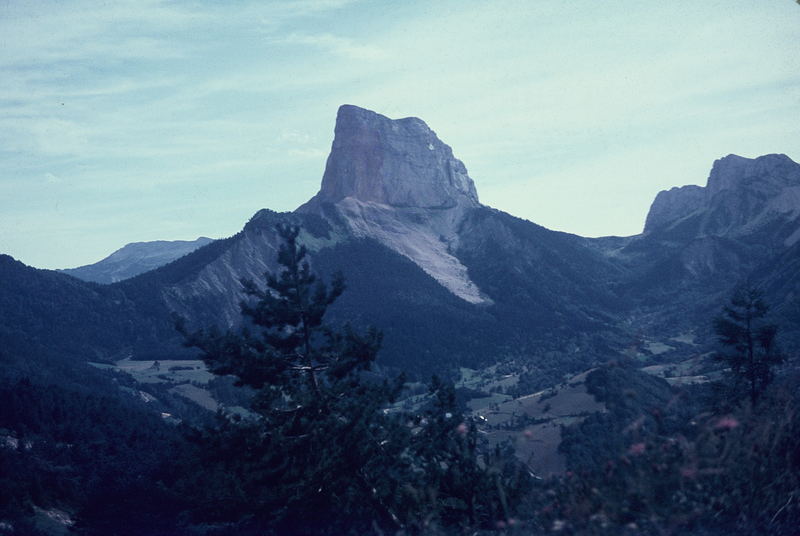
400, 163
396, 182
768, 174
741, 196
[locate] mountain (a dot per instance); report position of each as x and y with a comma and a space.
743, 197
134, 259
698, 242
399, 163
397, 183
452, 282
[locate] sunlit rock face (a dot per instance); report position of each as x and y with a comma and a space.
400, 163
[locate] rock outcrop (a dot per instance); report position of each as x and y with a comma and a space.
400, 163
743, 196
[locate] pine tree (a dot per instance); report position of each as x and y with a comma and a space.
319, 456
750, 349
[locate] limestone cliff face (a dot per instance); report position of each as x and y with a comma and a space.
743, 196
400, 163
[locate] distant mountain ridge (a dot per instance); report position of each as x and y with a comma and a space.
136, 258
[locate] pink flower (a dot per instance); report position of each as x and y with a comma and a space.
462, 428
726, 423
636, 449
528, 434
688, 472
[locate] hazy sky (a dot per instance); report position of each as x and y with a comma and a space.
144, 120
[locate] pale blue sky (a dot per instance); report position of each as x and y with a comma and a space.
144, 120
